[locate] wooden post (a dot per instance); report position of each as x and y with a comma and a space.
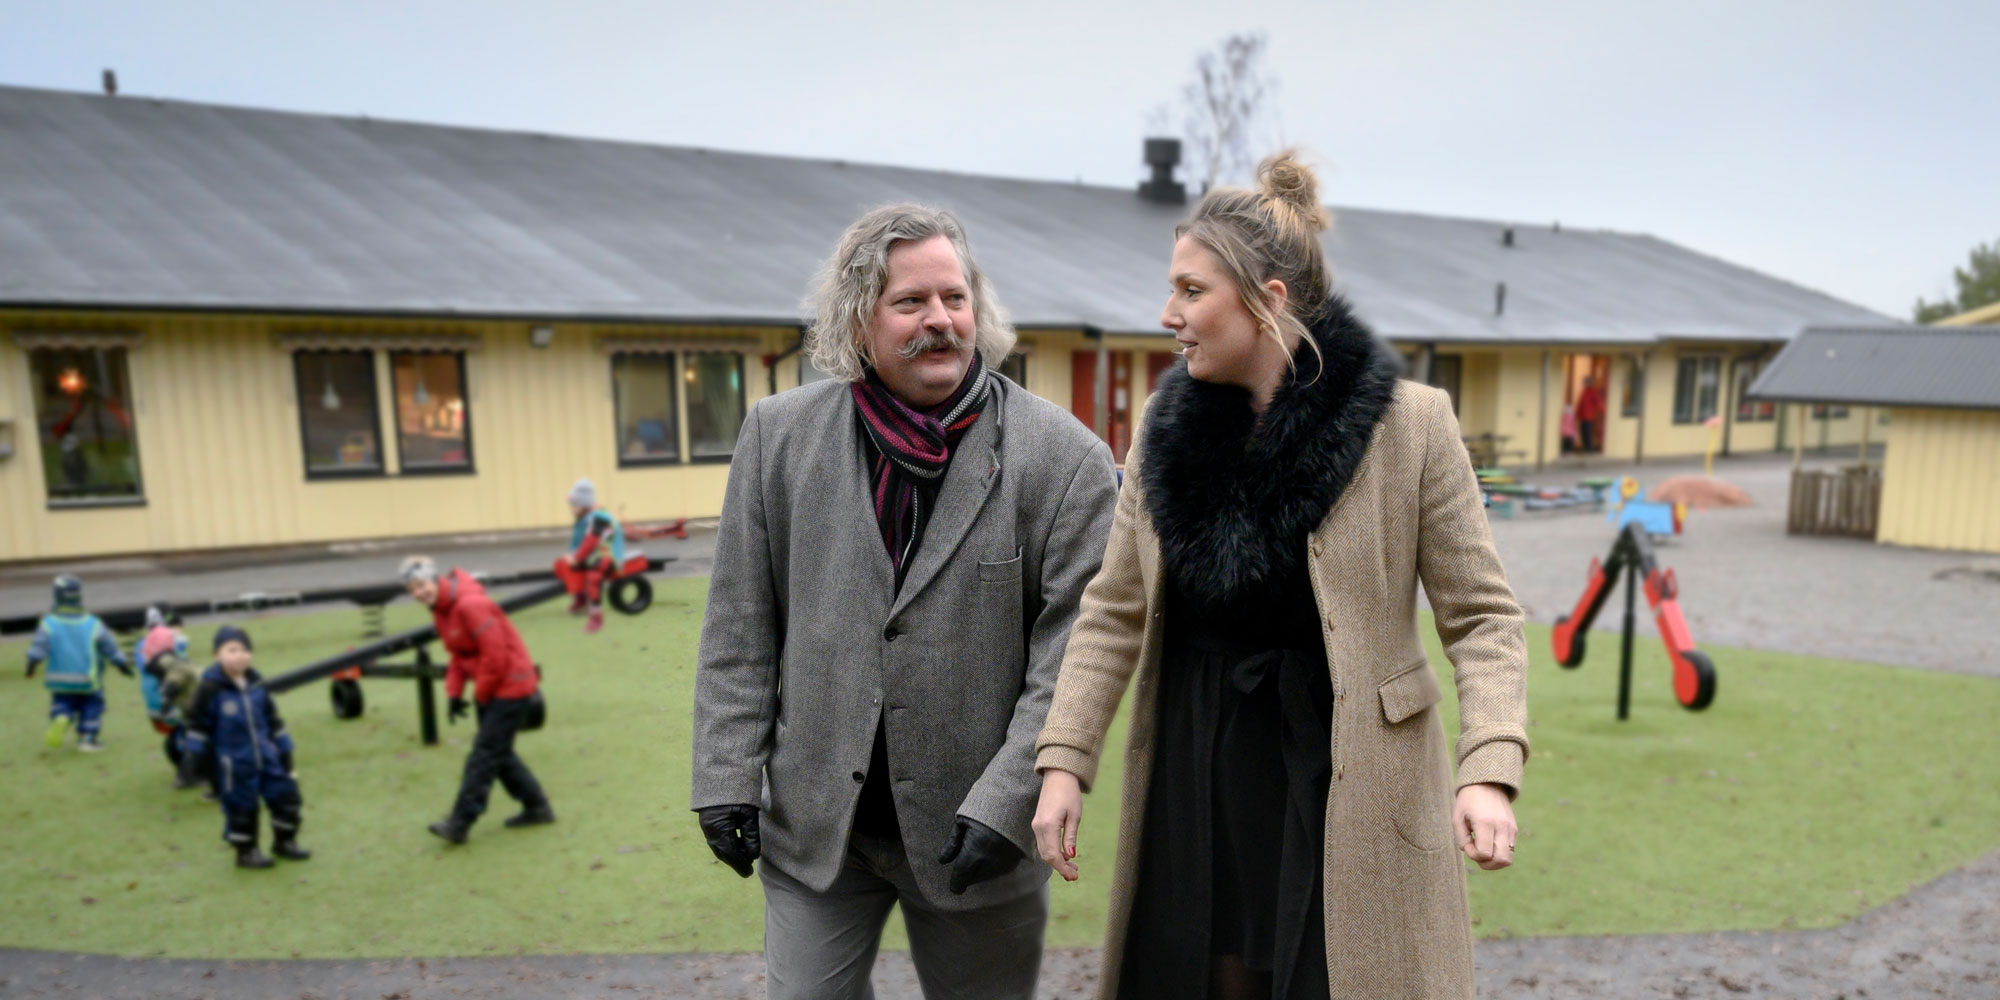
1542, 416
1645, 372
1101, 391
1799, 439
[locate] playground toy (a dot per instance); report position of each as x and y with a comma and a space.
1658, 519
1504, 494
345, 670
371, 597
626, 587
1632, 554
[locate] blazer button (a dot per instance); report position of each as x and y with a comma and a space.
889, 634
859, 777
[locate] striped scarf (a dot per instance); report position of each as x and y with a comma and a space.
910, 450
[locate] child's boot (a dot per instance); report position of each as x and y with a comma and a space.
595, 621
578, 604
531, 816
88, 743
289, 849
450, 830
58, 728
248, 856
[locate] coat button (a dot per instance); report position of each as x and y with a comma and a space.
889, 634
859, 777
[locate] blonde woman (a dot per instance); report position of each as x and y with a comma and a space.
1290, 810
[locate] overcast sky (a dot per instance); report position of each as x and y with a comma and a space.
1847, 146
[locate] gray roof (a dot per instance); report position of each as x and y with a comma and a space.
141, 203
1927, 366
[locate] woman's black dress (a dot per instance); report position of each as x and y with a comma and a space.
1231, 854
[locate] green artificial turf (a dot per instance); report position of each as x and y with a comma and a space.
1810, 791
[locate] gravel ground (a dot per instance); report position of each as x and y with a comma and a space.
186, 579
1744, 582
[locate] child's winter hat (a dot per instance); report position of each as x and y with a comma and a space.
68, 592
583, 494
418, 568
230, 633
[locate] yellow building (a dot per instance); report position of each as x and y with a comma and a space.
1986, 315
1940, 478
225, 328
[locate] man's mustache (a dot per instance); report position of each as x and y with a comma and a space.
930, 341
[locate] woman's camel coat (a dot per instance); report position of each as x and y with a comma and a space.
1397, 923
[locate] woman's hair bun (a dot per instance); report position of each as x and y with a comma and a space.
1281, 178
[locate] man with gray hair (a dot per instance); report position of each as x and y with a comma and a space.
902, 551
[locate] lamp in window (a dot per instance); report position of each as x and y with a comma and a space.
541, 336
330, 399
70, 382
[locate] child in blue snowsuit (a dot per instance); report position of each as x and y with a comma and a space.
75, 645
234, 727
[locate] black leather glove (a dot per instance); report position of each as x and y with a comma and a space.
124, 668
732, 835
457, 711
32, 664
977, 853
285, 760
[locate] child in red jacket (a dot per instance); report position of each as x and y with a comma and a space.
486, 651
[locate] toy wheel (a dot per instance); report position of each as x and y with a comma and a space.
347, 701
632, 595
1575, 651
1695, 685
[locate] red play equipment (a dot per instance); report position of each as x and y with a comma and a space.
1694, 672
624, 585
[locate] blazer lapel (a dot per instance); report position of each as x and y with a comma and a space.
848, 505
975, 468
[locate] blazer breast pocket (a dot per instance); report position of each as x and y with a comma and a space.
1001, 572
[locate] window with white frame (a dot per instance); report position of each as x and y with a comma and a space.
1697, 389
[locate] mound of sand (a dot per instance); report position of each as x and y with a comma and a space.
1699, 493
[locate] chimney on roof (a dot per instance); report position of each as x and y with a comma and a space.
1163, 155
1500, 299
1507, 236
111, 83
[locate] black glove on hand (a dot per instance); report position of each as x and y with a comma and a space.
977, 853
32, 664
285, 760
124, 668
457, 711
732, 835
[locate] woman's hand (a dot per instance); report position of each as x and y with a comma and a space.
1056, 819
1482, 818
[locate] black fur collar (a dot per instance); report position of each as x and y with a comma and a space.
1232, 507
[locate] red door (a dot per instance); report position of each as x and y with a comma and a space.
1083, 397
1157, 363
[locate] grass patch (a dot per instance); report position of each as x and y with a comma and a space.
1810, 791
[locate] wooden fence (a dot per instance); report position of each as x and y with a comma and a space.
1836, 501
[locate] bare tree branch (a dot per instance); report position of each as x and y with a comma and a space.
1225, 109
